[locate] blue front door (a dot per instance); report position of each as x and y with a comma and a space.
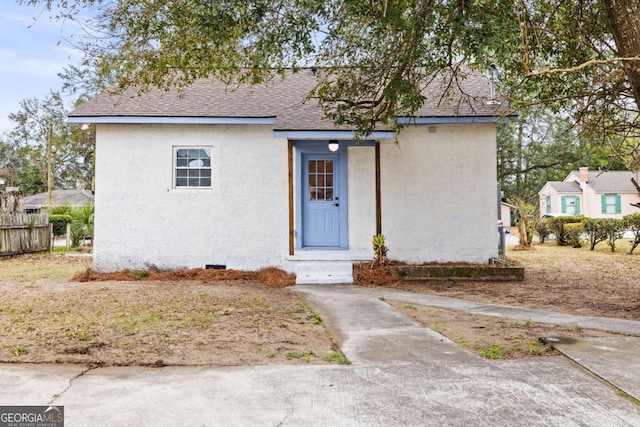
321, 200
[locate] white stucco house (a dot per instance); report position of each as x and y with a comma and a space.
594, 194
253, 177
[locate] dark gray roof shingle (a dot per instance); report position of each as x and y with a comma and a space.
60, 198
282, 99
612, 181
565, 187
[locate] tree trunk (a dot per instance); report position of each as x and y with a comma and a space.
49, 166
519, 155
11, 202
635, 184
624, 22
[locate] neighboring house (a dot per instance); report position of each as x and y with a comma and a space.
253, 177
40, 202
505, 213
594, 194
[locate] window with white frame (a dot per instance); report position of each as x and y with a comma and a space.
570, 205
192, 166
611, 204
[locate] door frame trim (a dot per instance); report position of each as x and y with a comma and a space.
321, 147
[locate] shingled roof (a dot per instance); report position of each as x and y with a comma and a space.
280, 99
565, 187
60, 198
599, 181
611, 181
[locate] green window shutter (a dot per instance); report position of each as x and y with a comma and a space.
604, 203
618, 204
563, 204
577, 199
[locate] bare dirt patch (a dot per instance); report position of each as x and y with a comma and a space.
192, 321
493, 337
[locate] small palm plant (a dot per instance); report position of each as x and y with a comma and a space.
379, 250
82, 223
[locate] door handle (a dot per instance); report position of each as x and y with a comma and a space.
336, 204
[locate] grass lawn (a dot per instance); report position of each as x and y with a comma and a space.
46, 318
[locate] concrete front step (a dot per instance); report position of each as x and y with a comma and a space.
321, 271
325, 266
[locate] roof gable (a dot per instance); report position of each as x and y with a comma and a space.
565, 187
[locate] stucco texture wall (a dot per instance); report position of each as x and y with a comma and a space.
141, 220
439, 197
362, 197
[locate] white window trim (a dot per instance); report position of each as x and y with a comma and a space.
174, 156
608, 198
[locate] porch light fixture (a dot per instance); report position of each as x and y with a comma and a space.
333, 145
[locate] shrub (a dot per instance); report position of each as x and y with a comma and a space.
80, 218
526, 218
59, 223
594, 228
613, 229
82, 223
542, 230
632, 223
572, 233
60, 209
556, 226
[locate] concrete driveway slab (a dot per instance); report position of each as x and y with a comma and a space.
402, 345
536, 392
614, 359
35, 384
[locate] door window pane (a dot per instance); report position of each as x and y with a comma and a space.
320, 179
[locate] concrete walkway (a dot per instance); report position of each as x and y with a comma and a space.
367, 334
402, 375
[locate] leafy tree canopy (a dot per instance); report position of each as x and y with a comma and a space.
39, 127
580, 57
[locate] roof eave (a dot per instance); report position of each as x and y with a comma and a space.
330, 134
173, 120
438, 120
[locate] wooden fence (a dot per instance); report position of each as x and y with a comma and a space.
22, 233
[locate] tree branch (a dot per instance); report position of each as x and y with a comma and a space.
581, 66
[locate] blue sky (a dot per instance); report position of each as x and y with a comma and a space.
32, 53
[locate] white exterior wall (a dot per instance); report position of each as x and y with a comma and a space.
141, 220
625, 201
595, 204
439, 197
362, 197
592, 204
505, 215
555, 200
